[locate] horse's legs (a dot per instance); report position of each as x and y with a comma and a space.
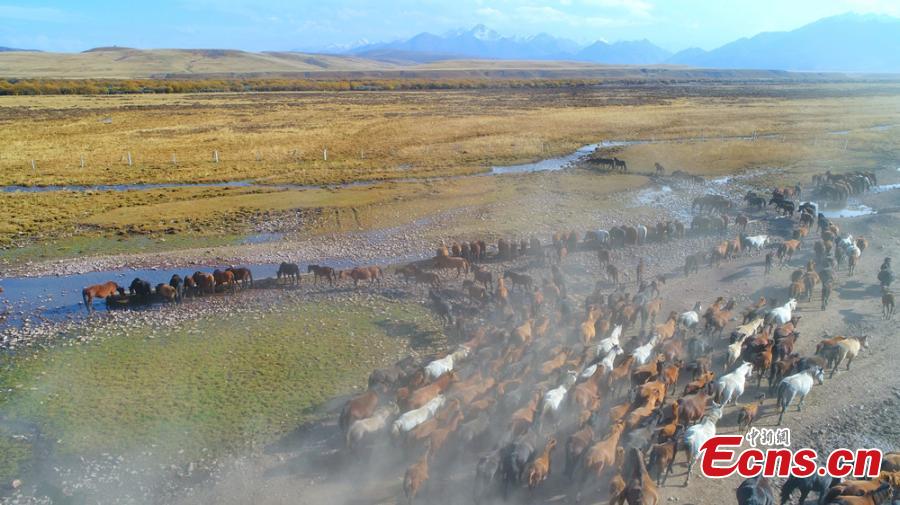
800, 403
687, 478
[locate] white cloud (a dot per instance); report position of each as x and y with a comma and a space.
889, 7
488, 12
31, 13
634, 7
544, 14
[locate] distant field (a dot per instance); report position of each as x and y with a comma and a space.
276, 138
128, 63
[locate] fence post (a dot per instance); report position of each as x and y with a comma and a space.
174, 160
215, 156
325, 154
82, 161
32, 166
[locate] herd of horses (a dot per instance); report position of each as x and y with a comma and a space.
538, 378
141, 291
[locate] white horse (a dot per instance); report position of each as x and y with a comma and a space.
642, 353
553, 400
642, 233
691, 318
441, 366
697, 435
781, 315
606, 345
415, 417
731, 386
610, 358
801, 384
756, 242
370, 426
846, 242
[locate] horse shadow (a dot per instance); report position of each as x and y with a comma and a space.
419, 337
856, 290
850, 316
744, 272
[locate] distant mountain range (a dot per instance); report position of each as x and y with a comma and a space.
849, 42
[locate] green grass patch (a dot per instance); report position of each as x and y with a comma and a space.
206, 387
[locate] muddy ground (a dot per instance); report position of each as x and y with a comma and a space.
856, 408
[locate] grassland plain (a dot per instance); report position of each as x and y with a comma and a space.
201, 388
280, 137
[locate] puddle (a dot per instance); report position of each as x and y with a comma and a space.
885, 187
854, 210
840, 132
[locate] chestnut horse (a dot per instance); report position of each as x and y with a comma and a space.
446, 262
224, 278
326, 272
242, 275
99, 291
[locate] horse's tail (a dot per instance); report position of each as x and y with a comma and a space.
780, 392
85, 295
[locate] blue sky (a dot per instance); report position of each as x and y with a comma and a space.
257, 25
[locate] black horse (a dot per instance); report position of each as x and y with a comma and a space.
755, 491
140, 288
442, 307
815, 482
178, 283
290, 272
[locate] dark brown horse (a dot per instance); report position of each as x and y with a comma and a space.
205, 282
99, 291
319, 271
242, 275
290, 272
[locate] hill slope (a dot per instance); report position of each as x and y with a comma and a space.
850, 42
126, 63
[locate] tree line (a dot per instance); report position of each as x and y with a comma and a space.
137, 86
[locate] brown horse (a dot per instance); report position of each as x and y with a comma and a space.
523, 280
205, 282
446, 262
242, 275
99, 291
224, 278
319, 271
357, 274
356, 408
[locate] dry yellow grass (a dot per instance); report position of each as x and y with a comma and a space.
281, 137
397, 136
